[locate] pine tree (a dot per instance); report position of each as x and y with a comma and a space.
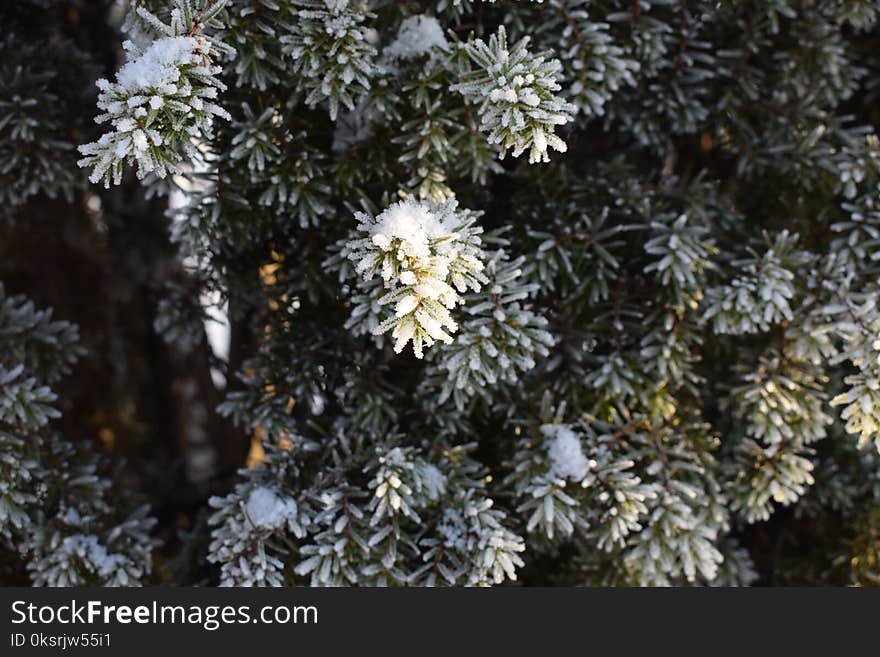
55, 506
572, 292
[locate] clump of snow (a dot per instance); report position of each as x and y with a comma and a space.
417, 36
411, 234
567, 460
268, 511
434, 481
160, 64
413, 224
70, 516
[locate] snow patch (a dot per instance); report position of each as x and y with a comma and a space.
417, 36
268, 511
567, 460
160, 64
434, 481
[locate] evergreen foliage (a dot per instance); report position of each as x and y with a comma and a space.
54, 505
648, 353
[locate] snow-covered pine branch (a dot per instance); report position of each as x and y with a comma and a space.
331, 52
516, 94
427, 255
56, 509
161, 107
501, 339
761, 296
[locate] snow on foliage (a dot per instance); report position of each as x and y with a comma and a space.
502, 338
160, 104
567, 460
268, 511
331, 54
694, 288
427, 255
516, 93
417, 36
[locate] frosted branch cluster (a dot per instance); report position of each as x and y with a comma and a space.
161, 105
427, 255
516, 91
